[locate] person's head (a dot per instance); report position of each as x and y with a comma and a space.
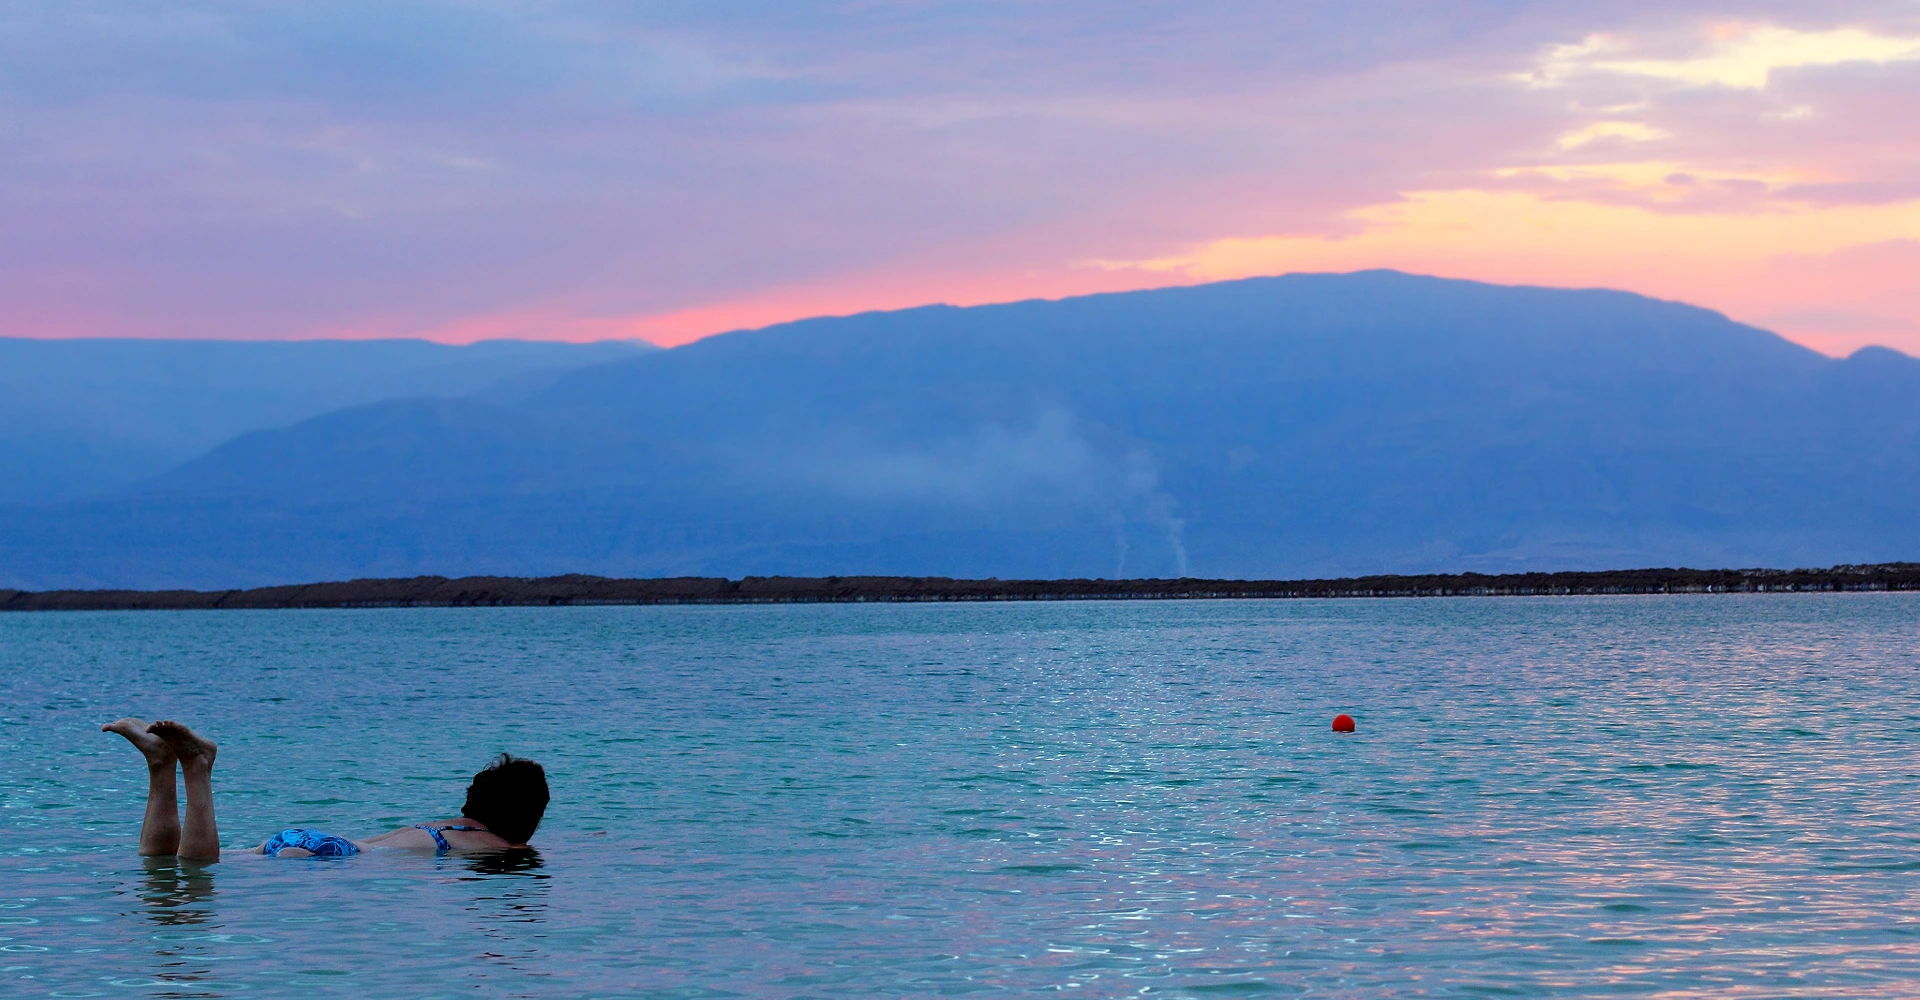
509, 796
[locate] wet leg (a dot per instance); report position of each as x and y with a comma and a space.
160, 829
199, 834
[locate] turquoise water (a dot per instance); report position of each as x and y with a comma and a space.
1684, 796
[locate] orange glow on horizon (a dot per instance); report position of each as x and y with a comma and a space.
1752, 167
1793, 310
1831, 278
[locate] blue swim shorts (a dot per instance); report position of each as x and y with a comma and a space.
323, 845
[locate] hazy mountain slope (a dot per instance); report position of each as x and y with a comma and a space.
1305, 425
81, 417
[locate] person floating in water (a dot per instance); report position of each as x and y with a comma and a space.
504, 805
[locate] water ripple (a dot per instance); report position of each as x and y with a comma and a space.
1686, 796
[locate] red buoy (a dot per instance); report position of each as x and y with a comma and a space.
1343, 723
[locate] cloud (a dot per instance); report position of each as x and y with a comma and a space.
1745, 189
1665, 185
1739, 56
1598, 131
588, 169
1762, 262
1439, 230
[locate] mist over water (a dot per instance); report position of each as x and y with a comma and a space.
1684, 796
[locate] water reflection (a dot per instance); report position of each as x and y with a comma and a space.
178, 896
510, 893
520, 862
511, 889
175, 893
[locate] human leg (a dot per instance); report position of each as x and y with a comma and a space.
160, 829
199, 834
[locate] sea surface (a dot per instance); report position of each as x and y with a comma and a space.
1688, 796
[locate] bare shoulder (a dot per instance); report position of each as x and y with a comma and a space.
475, 840
416, 839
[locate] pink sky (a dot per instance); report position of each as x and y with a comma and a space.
406, 170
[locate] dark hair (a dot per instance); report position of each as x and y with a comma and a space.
509, 796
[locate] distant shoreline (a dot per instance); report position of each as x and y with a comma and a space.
561, 591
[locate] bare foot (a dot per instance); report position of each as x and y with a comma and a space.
191, 747
159, 755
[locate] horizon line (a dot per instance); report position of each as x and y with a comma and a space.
576, 590
777, 318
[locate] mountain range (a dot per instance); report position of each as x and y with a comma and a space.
81, 418
1307, 425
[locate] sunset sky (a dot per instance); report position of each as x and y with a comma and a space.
593, 170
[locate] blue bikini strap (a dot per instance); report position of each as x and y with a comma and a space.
440, 841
